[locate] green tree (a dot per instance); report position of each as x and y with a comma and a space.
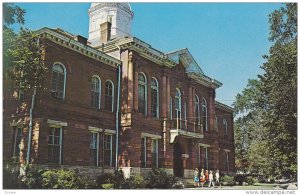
24, 66
269, 104
279, 86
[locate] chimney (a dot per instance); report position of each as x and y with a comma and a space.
81, 39
105, 30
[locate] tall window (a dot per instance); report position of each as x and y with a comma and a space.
227, 161
107, 147
171, 108
55, 145
95, 92
178, 103
94, 149
109, 95
205, 158
142, 93
225, 126
154, 151
58, 80
216, 123
197, 110
154, 98
17, 143
204, 114
143, 152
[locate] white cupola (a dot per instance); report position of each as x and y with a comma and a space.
108, 21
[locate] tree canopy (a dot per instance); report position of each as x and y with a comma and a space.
269, 103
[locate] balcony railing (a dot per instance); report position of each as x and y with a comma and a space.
185, 125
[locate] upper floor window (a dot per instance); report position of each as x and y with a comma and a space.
109, 95
95, 92
171, 108
197, 110
225, 126
178, 103
142, 104
154, 98
204, 114
58, 85
216, 123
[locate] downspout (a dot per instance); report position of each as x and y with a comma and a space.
117, 111
30, 127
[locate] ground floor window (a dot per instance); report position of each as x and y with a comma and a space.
227, 161
18, 132
206, 158
55, 145
94, 149
143, 151
154, 151
107, 149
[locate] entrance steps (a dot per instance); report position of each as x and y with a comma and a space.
187, 182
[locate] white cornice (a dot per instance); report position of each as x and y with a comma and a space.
70, 43
205, 80
224, 107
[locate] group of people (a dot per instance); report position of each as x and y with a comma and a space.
204, 177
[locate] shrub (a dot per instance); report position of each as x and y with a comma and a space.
251, 180
108, 186
32, 178
116, 178
239, 179
158, 178
10, 176
62, 179
134, 182
228, 180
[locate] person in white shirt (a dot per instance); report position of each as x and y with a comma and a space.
218, 178
211, 179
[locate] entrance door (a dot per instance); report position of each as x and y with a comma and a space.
177, 161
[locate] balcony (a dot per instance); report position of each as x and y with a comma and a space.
184, 128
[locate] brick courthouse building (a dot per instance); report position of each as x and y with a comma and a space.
113, 101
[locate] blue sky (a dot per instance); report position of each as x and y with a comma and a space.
226, 39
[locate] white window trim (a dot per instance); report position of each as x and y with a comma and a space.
204, 106
65, 76
171, 108
146, 89
197, 102
60, 145
157, 96
227, 160
100, 84
152, 136
56, 124
112, 95
206, 157
110, 145
226, 126
179, 105
145, 150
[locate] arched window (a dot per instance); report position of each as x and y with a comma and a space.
154, 98
178, 103
225, 126
197, 110
95, 92
109, 95
58, 85
204, 114
142, 106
